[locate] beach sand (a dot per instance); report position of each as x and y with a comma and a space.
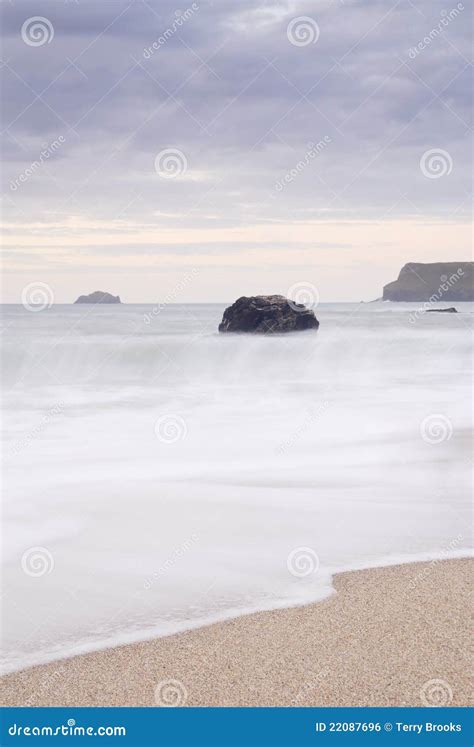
382, 640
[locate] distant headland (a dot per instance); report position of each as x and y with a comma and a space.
98, 297
439, 281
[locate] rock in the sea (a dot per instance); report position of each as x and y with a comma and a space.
439, 281
267, 315
98, 297
451, 310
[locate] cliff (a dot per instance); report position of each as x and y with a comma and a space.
98, 297
440, 281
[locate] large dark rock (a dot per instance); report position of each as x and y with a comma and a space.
439, 281
451, 310
98, 297
267, 315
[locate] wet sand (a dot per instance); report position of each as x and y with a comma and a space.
391, 636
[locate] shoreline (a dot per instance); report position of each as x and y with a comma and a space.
147, 635
387, 633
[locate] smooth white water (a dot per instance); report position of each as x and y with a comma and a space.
167, 473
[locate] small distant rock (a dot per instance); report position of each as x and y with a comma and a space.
267, 315
98, 297
451, 310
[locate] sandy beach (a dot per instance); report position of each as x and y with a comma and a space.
393, 636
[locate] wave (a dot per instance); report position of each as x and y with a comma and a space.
62, 652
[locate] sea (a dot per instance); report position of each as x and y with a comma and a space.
159, 476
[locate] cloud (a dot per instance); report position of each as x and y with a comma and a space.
224, 85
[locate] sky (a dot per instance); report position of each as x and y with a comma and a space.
209, 150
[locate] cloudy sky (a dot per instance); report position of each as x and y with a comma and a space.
256, 144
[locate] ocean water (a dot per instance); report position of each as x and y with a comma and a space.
158, 475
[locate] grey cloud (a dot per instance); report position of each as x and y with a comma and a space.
261, 101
